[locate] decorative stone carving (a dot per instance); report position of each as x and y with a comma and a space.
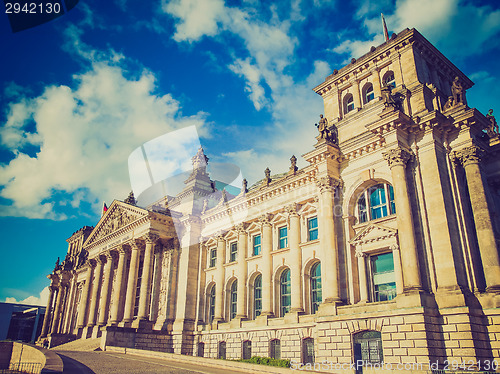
328, 184
265, 219
391, 100
244, 185
360, 254
492, 129
397, 157
468, 155
292, 209
151, 237
241, 228
329, 134
293, 164
130, 199
117, 219
457, 92
267, 179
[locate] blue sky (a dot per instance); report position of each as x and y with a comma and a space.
80, 93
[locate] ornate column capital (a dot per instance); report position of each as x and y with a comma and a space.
328, 184
394, 247
265, 219
292, 210
397, 157
468, 155
220, 237
151, 237
241, 228
91, 263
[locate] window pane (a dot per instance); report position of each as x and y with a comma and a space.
283, 237
213, 257
378, 206
316, 295
256, 245
234, 299
211, 312
285, 292
391, 199
312, 226
384, 283
363, 214
234, 252
258, 296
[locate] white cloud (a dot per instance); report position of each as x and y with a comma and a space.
41, 300
196, 18
85, 134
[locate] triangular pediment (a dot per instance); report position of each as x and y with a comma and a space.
117, 217
373, 232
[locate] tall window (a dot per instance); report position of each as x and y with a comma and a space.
308, 350
286, 292
389, 79
222, 350
316, 296
369, 95
256, 245
283, 237
275, 349
312, 228
201, 349
211, 304
383, 277
376, 202
247, 350
233, 299
213, 257
349, 103
138, 287
233, 252
257, 296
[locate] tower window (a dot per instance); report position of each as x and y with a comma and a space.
369, 95
389, 79
256, 245
283, 237
349, 103
376, 202
286, 292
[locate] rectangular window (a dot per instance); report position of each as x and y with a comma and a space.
233, 252
213, 257
247, 350
312, 228
275, 349
256, 245
283, 237
383, 277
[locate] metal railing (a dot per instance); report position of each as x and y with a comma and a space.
23, 367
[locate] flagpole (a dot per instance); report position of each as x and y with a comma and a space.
384, 27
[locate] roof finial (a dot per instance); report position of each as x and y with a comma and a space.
384, 26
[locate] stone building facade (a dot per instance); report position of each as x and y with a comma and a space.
384, 248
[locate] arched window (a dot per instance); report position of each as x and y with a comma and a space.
376, 202
257, 296
389, 79
316, 297
233, 299
368, 94
349, 103
211, 304
286, 292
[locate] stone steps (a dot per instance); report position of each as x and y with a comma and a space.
85, 345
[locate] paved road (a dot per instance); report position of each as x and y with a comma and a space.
111, 363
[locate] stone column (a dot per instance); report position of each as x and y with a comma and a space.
128, 314
82, 309
219, 280
363, 284
377, 91
147, 273
470, 158
95, 293
267, 266
398, 273
104, 303
57, 309
295, 259
242, 272
120, 272
155, 292
397, 159
48, 312
356, 95
328, 240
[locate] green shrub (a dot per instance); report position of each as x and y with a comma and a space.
267, 361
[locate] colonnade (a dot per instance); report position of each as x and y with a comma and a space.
101, 303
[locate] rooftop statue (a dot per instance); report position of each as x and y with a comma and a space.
492, 129
329, 134
390, 99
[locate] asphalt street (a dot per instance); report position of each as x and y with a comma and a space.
111, 363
